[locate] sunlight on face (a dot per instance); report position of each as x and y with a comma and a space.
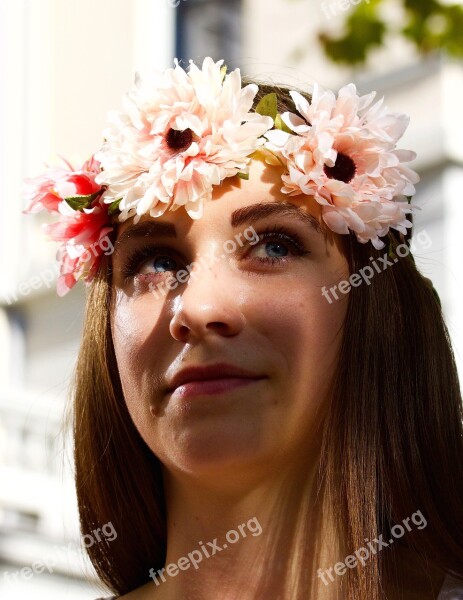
254, 301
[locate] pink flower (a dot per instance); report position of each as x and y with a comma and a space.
48, 190
180, 134
84, 220
81, 234
343, 154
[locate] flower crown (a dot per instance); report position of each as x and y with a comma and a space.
181, 133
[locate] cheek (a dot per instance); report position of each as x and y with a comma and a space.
306, 331
298, 316
320, 335
133, 328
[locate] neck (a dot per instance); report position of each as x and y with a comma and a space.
248, 539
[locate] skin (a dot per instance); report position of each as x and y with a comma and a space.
271, 319
231, 457
248, 455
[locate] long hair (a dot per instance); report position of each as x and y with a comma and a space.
392, 439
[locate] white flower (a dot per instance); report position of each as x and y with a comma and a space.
179, 135
343, 153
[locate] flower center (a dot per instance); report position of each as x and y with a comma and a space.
343, 170
179, 140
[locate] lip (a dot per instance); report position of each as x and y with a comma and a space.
210, 387
211, 379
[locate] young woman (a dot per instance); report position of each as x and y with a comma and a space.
266, 402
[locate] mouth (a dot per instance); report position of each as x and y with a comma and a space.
216, 378
208, 387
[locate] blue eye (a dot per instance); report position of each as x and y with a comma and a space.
156, 260
273, 246
275, 239
160, 261
142, 260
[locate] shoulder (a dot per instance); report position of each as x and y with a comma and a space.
452, 589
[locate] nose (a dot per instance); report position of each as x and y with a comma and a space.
209, 304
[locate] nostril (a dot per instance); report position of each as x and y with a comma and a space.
184, 329
218, 325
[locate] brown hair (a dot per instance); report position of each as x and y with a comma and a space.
392, 443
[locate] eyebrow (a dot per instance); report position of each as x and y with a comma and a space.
145, 229
246, 215
255, 212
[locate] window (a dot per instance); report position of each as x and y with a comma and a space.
209, 28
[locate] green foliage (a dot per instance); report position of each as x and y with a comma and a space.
430, 25
114, 206
268, 106
364, 32
280, 124
81, 202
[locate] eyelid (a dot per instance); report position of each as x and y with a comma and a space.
298, 247
136, 258
281, 230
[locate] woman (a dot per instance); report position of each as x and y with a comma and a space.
258, 425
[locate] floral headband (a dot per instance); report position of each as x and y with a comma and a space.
181, 133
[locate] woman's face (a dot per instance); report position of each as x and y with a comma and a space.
254, 300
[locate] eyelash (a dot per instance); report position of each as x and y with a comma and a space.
270, 233
280, 233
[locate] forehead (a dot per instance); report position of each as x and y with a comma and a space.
262, 187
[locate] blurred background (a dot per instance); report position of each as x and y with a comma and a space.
64, 64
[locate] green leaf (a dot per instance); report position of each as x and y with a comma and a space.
280, 124
267, 107
81, 202
114, 207
243, 175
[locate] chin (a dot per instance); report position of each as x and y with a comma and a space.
213, 450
